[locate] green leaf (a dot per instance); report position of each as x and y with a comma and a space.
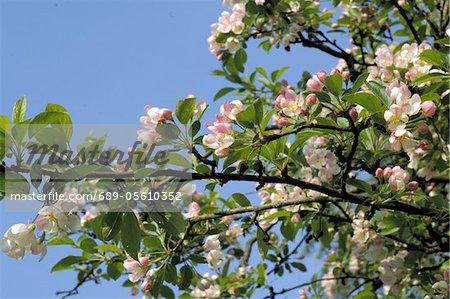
299, 266
171, 274
19, 110
359, 82
109, 248
112, 222
262, 244
240, 58
241, 199
153, 242
131, 235
334, 84
55, 107
370, 102
185, 109
380, 92
115, 270
389, 231
88, 245
67, 262
275, 75
185, 278
261, 71
224, 91
5, 124
246, 118
433, 57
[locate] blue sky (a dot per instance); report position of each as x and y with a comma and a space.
103, 61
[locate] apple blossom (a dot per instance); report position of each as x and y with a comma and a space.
206, 287
157, 115
214, 258
18, 240
137, 268
212, 243
231, 109
222, 138
399, 179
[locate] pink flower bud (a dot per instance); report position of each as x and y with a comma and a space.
325, 10
313, 84
311, 99
413, 185
409, 76
424, 144
379, 173
422, 128
334, 71
284, 83
353, 113
304, 111
351, 41
334, 25
346, 75
321, 75
428, 108
387, 172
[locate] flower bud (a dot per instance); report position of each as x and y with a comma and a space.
422, 128
353, 113
334, 71
428, 108
346, 75
387, 172
413, 185
379, 173
311, 99
424, 144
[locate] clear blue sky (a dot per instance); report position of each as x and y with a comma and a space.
103, 61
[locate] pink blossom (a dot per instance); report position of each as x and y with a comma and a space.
289, 103
212, 243
231, 109
157, 115
137, 268
194, 210
222, 138
398, 179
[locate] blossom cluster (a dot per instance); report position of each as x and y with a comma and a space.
397, 178
388, 61
321, 159
139, 269
222, 137
206, 287
153, 116
228, 23
57, 219
215, 254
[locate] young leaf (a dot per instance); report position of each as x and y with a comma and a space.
334, 84
241, 199
19, 110
66, 262
115, 270
367, 100
131, 234
185, 109
112, 222
224, 91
